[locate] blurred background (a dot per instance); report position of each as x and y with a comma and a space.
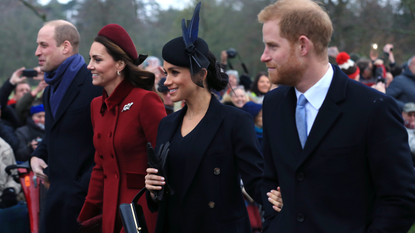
224, 24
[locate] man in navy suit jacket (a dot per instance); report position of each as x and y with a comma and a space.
351, 170
66, 154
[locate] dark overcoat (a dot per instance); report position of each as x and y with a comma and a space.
68, 150
355, 173
225, 152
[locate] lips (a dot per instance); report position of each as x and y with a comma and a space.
94, 75
172, 91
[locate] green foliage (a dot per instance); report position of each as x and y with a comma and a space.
224, 24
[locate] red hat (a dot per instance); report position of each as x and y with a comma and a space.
120, 37
347, 65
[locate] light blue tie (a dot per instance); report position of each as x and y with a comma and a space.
301, 119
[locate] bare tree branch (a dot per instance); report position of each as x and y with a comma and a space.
30, 6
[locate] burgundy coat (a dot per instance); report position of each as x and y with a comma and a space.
123, 124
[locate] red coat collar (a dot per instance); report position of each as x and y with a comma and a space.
121, 91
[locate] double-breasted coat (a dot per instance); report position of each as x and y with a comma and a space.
123, 124
355, 172
68, 150
224, 151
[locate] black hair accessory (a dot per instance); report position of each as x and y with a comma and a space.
141, 58
190, 33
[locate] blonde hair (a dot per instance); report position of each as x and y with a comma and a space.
65, 30
301, 17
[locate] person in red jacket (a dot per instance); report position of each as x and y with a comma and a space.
124, 119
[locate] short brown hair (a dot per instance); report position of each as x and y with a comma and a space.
300, 17
65, 30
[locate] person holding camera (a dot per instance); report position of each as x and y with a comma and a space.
17, 84
8, 187
32, 133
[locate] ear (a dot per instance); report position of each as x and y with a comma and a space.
66, 47
305, 45
121, 65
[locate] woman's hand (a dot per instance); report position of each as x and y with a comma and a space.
275, 198
153, 182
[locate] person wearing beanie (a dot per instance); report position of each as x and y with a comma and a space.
124, 119
348, 66
211, 146
32, 133
256, 112
65, 157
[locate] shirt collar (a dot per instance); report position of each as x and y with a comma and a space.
317, 93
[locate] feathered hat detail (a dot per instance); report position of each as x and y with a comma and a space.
188, 50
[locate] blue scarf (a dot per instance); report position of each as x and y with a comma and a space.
59, 85
258, 132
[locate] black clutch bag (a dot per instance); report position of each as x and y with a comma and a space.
132, 215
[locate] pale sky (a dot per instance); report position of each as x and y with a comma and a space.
164, 4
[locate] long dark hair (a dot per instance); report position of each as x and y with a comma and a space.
254, 87
136, 76
216, 79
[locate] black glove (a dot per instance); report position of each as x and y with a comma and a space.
8, 198
158, 162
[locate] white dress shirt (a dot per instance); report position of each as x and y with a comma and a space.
315, 97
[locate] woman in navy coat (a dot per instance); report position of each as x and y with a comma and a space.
212, 146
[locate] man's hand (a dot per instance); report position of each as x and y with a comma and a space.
40, 74
38, 165
16, 76
224, 57
40, 87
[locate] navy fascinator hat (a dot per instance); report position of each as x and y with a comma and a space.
188, 50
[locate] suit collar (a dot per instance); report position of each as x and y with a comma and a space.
328, 113
209, 125
72, 92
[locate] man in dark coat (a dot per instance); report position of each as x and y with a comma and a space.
337, 149
402, 87
66, 154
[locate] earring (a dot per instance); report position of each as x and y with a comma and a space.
118, 72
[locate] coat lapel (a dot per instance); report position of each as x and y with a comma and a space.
201, 141
286, 116
327, 115
70, 94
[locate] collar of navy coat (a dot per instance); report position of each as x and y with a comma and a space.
200, 142
326, 117
120, 93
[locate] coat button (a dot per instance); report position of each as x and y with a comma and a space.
300, 218
216, 171
100, 155
98, 135
105, 176
211, 204
300, 176
116, 176
110, 134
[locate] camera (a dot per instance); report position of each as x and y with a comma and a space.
29, 73
38, 140
231, 53
380, 79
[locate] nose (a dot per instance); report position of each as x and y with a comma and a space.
168, 81
90, 67
265, 56
37, 52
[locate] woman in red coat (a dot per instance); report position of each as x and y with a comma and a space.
124, 119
